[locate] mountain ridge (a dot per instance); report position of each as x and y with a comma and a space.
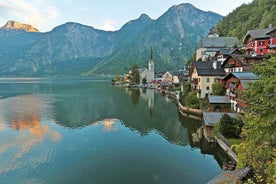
75, 48
14, 25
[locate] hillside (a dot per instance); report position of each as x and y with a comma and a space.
256, 15
75, 49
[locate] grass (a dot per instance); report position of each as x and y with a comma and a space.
234, 140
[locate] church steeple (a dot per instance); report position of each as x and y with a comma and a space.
151, 56
151, 66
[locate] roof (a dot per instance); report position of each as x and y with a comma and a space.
259, 33
241, 57
245, 75
218, 42
141, 70
218, 99
210, 118
225, 51
205, 68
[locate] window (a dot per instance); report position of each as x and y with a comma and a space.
208, 79
261, 42
261, 50
207, 88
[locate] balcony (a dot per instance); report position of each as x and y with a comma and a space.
194, 81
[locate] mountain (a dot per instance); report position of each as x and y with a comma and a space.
256, 15
13, 25
75, 49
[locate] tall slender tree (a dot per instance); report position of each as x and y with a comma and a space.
135, 74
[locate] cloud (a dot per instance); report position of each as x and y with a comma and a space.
36, 13
108, 25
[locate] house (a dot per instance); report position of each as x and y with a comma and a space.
167, 80
260, 41
203, 74
208, 47
209, 121
219, 104
240, 62
223, 53
235, 83
148, 73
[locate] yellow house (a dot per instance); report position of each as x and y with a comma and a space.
203, 75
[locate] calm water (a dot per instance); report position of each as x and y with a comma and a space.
87, 131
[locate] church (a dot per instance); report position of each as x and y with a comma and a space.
147, 73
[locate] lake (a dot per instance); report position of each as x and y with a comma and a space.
56, 131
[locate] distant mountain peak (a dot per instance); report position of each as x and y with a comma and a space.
14, 25
144, 16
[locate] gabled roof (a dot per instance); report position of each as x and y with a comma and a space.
240, 58
235, 57
218, 42
141, 70
259, 33
218, 99
244, 77
211, 118
205, 68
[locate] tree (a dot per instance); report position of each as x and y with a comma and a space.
218, 89
135, 74
144, 80
229, 127
191, 100
258, 148
191, 60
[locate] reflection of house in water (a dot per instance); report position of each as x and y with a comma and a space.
148, 95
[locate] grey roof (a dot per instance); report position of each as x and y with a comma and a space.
210, 118
225, 51
218, 42
218, 99
205, 68
142, 69
245, 75
259, 33
245, 82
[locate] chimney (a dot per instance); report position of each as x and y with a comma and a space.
270, 26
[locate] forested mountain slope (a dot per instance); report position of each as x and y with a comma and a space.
256, 15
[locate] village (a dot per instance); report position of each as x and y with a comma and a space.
222, 63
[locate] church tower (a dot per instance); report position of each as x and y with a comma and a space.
151, 67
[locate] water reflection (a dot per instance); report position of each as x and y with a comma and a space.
106, 133
108, 124
22, 115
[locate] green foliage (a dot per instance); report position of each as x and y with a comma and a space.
256, 15
118, 78
218, 89
191, 100
144, 80
135, 74
258, 148
186, 87
191, 60
229, 127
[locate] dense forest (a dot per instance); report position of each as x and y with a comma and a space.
256, 15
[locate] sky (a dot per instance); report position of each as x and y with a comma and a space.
107, 15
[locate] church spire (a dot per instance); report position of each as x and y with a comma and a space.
151, 56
